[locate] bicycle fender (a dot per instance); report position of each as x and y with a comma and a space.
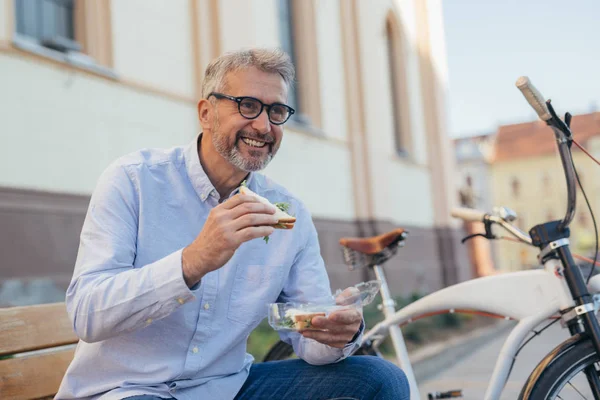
550, 358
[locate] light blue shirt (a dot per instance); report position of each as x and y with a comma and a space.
142, 330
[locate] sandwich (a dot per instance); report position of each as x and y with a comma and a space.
304, 321
297, 319
285, 221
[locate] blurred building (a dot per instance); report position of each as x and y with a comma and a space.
84, 82
527, 176
473, 162
519, 167
474, 156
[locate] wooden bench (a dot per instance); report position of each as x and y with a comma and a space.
36, 346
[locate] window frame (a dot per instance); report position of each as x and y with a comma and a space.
306, 90
91, 30
399, 98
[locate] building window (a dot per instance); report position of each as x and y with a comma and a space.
286, 36
583, 219
396, 76
467, 194
516, 188
521, 221
49, 22
66, 26
297, 36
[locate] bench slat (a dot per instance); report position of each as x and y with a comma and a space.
33, 376
34, 328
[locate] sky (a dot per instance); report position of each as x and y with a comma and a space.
490, 43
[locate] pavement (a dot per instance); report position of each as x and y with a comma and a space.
467, 362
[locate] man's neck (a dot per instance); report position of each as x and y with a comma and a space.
224, 176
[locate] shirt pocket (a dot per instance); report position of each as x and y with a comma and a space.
253, 287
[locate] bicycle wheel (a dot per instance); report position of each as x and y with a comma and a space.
565, 378
279, 351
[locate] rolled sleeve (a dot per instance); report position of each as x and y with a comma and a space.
168, 282
316, 353
107, 295
356, 341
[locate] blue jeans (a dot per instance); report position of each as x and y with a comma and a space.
356, 378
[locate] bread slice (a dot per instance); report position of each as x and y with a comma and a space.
284, 225
286, 221
304, 321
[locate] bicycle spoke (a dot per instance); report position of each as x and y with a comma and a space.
574, 388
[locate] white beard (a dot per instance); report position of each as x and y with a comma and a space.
231, 152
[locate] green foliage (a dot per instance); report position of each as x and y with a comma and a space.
261, 340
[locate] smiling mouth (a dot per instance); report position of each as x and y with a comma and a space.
253, 143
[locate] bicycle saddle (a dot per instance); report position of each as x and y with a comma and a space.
375, 244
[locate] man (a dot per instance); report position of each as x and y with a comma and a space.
172, 273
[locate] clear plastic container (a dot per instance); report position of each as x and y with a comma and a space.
296, 317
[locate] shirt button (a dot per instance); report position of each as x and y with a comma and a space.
206, 306
180, 300
195, 350
149, 321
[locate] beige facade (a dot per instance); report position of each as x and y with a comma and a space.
520, 168
535, 188
368, 152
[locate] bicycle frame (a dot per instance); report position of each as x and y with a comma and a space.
536, 296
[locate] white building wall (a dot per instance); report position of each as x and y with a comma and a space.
402, 190
60, 129
331, 63
61, 126
67, 118
152, 43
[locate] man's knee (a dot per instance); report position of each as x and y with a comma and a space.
381, 373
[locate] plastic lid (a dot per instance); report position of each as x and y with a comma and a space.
364, 293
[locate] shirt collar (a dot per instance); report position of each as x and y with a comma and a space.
200, 181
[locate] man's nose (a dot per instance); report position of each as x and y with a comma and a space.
262, 123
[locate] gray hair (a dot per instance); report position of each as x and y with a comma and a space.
266, 60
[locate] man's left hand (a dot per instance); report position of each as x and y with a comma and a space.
340, 327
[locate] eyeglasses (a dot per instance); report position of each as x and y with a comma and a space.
251, 108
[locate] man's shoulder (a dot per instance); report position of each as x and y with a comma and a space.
151, 157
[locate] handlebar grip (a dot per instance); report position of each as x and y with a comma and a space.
468, 214
533, 97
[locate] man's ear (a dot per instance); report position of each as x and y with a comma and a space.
205, 113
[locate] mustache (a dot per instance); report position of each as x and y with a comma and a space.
266, 137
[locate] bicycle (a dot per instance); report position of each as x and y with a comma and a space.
556, 292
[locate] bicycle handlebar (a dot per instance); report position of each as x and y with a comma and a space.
533, 97
563, 137
471, 215
468, 214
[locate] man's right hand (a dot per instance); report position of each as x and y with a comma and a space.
237, 220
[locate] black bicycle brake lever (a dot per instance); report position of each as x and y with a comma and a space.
472, 236
488, 232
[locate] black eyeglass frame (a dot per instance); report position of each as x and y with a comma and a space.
239, 100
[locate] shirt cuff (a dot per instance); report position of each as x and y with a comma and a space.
356, 341
169, 285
